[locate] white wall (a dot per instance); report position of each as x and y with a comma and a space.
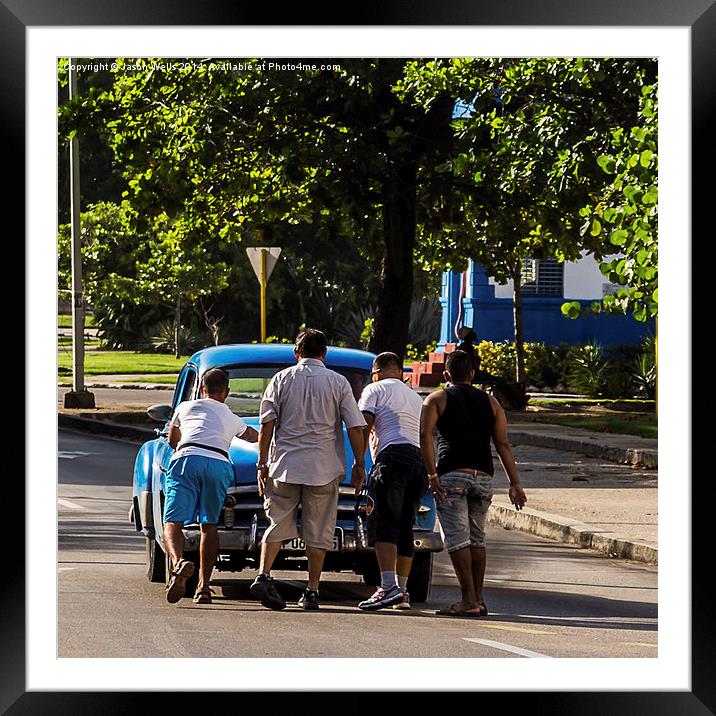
582, 279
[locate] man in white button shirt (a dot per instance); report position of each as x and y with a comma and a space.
302, 411
397, 480
199, 475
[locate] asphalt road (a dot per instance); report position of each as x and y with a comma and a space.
546, 599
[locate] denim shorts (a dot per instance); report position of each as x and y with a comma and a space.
463, 510
196, 488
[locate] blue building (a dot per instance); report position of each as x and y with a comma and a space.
474, 299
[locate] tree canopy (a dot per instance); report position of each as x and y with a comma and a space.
371, 165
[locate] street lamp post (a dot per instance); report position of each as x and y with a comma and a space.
79, 396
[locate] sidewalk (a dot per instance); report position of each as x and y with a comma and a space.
594, 490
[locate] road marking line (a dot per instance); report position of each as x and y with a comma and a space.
72, 454
641, 643
64, 569
511, 628
71, 505
606, 620
509, 647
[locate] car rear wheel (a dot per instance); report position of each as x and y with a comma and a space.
421, 575
156, 561
371, 571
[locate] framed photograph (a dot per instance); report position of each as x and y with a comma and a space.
36, 35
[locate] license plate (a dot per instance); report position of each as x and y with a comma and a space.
298, 545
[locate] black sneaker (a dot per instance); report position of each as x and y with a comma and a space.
382, 598
309, 601
264, 589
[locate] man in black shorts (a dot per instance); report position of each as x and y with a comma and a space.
397, 479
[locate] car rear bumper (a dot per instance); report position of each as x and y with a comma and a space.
239, 539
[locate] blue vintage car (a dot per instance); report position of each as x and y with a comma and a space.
242, 521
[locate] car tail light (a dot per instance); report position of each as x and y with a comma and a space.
229, 504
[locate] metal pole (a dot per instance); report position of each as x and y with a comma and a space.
78, 311
78, 397
262, 281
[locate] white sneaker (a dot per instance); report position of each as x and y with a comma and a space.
405, 603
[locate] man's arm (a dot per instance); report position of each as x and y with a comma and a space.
428, 419
357, 439
174, 436
264, 439
370, 423
502, 445
250, 435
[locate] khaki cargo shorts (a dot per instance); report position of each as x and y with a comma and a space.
319, 508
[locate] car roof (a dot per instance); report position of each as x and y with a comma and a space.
281, 353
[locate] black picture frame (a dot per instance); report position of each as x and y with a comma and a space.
698, 15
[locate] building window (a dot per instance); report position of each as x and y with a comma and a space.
543, 277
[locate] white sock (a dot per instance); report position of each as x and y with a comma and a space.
402, 583
387, 580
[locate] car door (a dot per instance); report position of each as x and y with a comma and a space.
185, 390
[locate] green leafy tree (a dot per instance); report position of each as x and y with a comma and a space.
626, 214
226, 152
525, 160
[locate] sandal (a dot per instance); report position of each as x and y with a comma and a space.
203, 595
176, 588
458, 610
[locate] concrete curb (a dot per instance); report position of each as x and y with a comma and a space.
629, 456
568, 531
105, 427
124, 386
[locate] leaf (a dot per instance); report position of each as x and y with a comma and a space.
596, 227
619, 237
646, 156
573, 309
609, 214
607, 163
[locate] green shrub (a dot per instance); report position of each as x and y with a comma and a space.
367, 333
644, 369
588, 371
162, 336
498, 359
544, 365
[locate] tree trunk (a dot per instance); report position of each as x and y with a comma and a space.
177, 325
392, 316
517, 311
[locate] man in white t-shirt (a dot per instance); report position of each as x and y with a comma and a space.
198, 478
397, 479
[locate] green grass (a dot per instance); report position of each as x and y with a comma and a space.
66, 321
628, 424
67, 341
163, 379
617, 404
127, 362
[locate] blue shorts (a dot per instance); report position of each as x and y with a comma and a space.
195, 489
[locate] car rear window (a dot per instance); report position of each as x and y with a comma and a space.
247, 384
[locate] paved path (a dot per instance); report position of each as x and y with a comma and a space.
546, 599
